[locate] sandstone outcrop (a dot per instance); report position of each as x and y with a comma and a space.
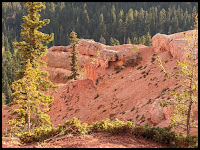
58, 64
89, 47
156, 112
91, 72
161, 42
108, 55
93, 58
126, 55
58, 49
57, 59
173, 43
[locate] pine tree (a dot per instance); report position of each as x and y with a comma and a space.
185, 99
121, 14
111, 41
135, 40
142, 40
130, 15
8, 68
102, 40
128, 40
148, 39
3, 99
31, 79
74, 61
162, 19
32, 48
113, 12
114, 42
29, 99
102, 26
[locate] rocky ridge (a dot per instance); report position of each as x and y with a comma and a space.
109, 86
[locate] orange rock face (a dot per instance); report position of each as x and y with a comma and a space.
93, 58
174, 43
108, 88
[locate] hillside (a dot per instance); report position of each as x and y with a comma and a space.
115, 84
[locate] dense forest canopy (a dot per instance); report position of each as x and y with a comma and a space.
110, 23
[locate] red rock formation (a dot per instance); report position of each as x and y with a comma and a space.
131, 94
156, 112
161, 42
174, 43
58, 65
89, 47
94, 57
91, 72
58, 49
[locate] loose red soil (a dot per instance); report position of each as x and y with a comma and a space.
95, 140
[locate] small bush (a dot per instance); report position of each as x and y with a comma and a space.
118, 69
99, 126
133, 108
138, 130
96, 96
149, 101
27, 137
140, 67
118, 127
164, 90
74, 126
153, 59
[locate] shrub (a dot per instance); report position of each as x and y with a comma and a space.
116, 127
74, 126
118, 69
162, 135
99, 126
96, 96
153, 59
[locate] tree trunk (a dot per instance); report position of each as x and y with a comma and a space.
124, 39
188, 117
191, 102
29, 118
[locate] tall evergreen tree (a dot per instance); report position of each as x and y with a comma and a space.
142, 40
113, 12
162, 20
114, 42
3, 99
31, 80
128, 40
30, 117
102, 40
148, 39
121, 14
135, 40
8, 69
74, 61
32, 48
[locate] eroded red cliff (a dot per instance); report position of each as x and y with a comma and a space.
108, 87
